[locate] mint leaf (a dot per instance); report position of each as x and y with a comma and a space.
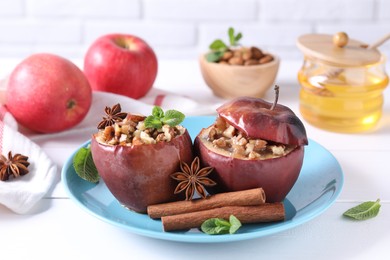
212, 226
157, 112
84, 165
222, 230
364, 210
235, 224
233, 39
237, 38
159, 118
218, 45
209, 226
173, 117
231, 36
153, 122
221, 222
214, 56
218, 226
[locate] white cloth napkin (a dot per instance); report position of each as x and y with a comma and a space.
22, 193
187, 105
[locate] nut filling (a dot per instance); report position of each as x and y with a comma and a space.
132, 131
229, 141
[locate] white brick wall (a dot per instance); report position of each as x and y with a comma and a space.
100, 9
201, 10
183, 28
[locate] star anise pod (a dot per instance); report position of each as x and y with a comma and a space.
13, 166
193, 179
113, 115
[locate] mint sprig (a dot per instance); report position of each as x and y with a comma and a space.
218, 47
234, 38
84, 166
218, 226
363, 211
159, 118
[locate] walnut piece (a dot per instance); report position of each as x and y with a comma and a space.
224, 136
132, 131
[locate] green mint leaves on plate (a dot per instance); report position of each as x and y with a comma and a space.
218, 226
84, 165
364, 210
159, 118
218, 47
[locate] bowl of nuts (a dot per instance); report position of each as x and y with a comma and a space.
232, 71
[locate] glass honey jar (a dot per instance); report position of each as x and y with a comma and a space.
342, 83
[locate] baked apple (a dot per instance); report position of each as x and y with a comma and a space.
253, 143
135, 160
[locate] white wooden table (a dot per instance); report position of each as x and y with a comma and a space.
58, 229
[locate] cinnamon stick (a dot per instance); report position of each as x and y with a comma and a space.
266, 212
236, 198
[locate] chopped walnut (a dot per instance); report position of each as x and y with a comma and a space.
220, 124
132, 131
259, 145
253, 155
238, 151
212, 134
108, 132
224, 136
229, 132
220, 142
146, 139
277, 150
137, 140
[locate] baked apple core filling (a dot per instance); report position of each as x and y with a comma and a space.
225, 139
132, 131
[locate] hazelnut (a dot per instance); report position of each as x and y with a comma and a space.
246, 54
267, 58
237, 53
256, 53
251, 62
227, 55
236, 61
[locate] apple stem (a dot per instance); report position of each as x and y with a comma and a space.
276, 97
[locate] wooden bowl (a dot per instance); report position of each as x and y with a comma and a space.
230, 81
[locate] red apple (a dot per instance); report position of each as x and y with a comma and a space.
139, 175
121, 64
47, 93
256, 119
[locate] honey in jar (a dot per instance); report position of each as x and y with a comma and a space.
341, 86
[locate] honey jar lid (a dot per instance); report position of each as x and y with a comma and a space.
338, 49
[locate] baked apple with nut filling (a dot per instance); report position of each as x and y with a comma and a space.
135, 155
254, 143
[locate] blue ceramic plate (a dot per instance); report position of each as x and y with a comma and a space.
319, 184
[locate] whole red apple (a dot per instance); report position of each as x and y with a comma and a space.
47, 93
121, 64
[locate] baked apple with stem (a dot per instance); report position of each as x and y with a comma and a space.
253, 143
135, 155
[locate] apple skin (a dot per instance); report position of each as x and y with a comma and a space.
47, 93
276, 176
121, 64
139, 175
254, 117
